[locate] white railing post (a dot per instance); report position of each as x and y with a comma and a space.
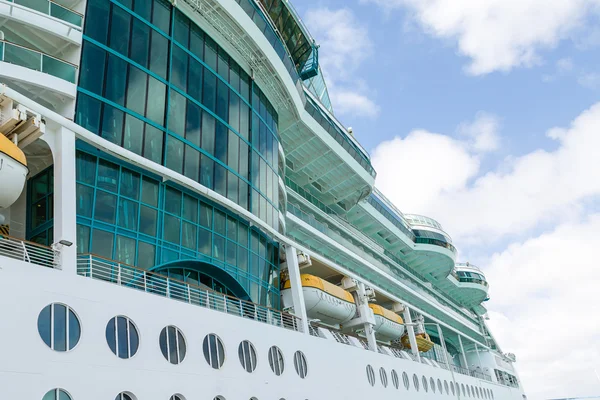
241, 308
145, 281
168, 288
189, 294
119, 274
25, 253
90, 266
225, 301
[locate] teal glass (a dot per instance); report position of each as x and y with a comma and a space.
210, 123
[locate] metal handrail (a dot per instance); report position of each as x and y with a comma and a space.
68, 75
50, 12
29, 252
100, 268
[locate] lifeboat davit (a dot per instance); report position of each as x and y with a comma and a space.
13, 172
424, 342
388, 325
324, 301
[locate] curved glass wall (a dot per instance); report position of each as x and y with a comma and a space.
154, 83
127, 215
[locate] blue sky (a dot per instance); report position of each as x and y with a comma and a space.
485, 115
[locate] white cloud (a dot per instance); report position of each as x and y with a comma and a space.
517, 195
482, 132
414, 172
590, 80
499, 35
352, 102
564, 65
543, 308
344, 44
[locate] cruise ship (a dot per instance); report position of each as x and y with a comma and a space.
183, 217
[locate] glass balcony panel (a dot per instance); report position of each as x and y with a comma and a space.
42, 6
58, 68
23, 57
60, 12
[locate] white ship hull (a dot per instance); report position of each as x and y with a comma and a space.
91, 371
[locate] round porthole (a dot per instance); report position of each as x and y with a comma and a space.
406, 380
300, 364
424, 380
214, 350
276, 360
247, 354
172, 344
59, 327
383, 377
122, 337
57, 394
416, 382
395, 380
370, 375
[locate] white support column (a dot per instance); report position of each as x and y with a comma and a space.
65, 202
291, 259
367, 315
411, 334
441, 336
462, 352
478, 357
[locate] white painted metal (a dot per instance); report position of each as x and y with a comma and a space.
321, 306
411, 333
386, 330
293, 268
12, 179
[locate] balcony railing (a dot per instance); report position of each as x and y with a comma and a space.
466, 279
435, 242
29, 252
19, 55
96, 267
52, 9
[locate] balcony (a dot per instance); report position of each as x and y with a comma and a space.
52, 9
467, 284
110, 271
47, 78
29, 252
22, 56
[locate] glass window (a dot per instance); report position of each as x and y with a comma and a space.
370, 375
192, 123
182, 29
124, 396
59, 327
222, 100
97, 27
195, 79
214, 351
383, 377
119, 30
179, 67
208, 133
301, 366
102, 243
128, 214
276, 360
146, 255
122, 337
155, 102
91, 76
177, 109
174, 154
159, 53
140, 42
210, 53
153, 144
125, 250
247, 355
88, 113
133, 134
161, 15
136, 90
172, 344
105, 207
57, 394
112, 124
172, 229
191, 167
209, 93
